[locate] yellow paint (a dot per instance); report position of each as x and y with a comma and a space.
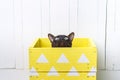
82, 47
62, 76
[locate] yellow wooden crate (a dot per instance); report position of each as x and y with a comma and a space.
64, 76
81, 59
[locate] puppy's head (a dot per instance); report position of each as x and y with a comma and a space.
61, 40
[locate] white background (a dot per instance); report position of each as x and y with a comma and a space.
22, 21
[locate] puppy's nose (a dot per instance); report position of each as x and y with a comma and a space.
62, 44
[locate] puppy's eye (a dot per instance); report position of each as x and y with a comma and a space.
56, 39
66, 38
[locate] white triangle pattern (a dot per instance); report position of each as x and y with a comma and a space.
83, 59
73, 72
92, 72
93, 69
53, 72
33, 72
62, 59
42, 59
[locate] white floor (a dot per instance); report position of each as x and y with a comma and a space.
108, 75
13, 74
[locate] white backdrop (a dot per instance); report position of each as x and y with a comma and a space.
113, 35
84, 17
22, 21
7, 37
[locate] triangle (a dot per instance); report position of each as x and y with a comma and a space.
33, 72
93, 69
83, 59
73, 72
53, 72
62, 59
92, 72
42, 59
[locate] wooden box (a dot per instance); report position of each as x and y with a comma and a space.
78, 62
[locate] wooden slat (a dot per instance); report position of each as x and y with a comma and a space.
7, 38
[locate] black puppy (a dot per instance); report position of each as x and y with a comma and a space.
61, 40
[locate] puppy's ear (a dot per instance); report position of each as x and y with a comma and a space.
71, 36
51, 37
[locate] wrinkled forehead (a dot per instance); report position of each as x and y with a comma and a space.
61, 36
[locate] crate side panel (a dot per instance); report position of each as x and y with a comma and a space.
63, 59
64, 76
